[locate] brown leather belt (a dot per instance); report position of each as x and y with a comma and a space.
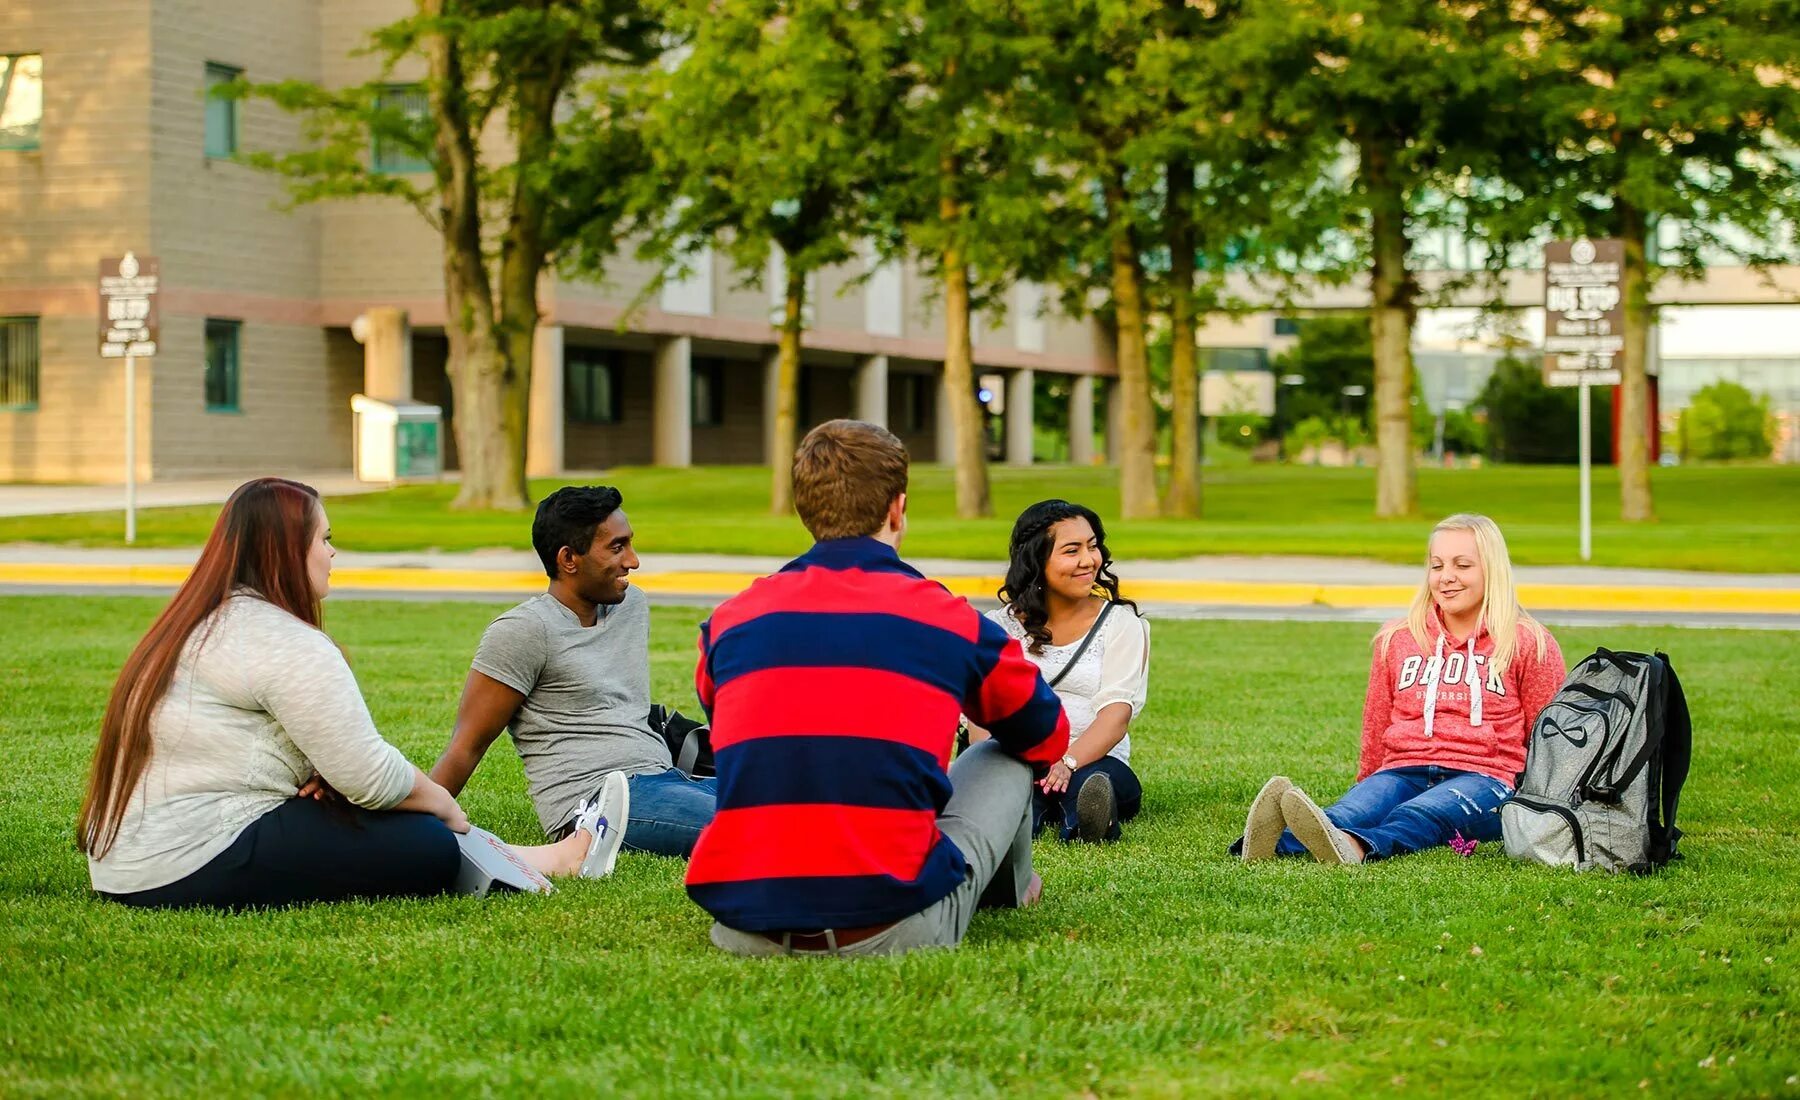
822, 941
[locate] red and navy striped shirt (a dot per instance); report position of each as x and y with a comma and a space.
834, 688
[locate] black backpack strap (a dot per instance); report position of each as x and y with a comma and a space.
1677, 757
1087, 640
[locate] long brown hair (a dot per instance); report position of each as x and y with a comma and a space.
260, 542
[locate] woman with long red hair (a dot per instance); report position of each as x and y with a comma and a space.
238, 765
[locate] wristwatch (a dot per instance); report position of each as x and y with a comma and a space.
1068, 761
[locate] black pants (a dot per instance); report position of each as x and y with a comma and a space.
1059, 808
305, 851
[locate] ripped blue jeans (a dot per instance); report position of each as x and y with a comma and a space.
1401, 810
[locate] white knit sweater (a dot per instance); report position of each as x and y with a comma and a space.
259, 701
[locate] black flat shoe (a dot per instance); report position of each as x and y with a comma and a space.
1096, 809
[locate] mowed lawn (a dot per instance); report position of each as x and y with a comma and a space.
1154, 967
1719, 518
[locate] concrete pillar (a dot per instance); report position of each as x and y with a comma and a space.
672, 403
1115, 420
1081, 420
872, 390
386, 338
544, 426
1020, 408
946, 422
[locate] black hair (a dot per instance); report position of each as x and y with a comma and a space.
1023, 591
569, 517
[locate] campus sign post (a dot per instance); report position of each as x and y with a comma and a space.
1584, 327
128, 328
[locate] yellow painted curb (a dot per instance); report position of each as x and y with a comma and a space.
1560, 597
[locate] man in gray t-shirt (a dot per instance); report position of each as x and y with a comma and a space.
568, 672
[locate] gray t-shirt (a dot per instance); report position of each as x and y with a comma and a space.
587, 697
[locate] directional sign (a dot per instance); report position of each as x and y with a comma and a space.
128, 321
1584, 313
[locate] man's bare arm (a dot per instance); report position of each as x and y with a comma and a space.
487, 706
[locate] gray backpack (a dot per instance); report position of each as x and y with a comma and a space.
1604, 769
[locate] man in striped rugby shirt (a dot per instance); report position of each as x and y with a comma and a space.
835, 687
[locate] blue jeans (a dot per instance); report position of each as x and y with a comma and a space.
1126, 788
1403, 810
668, 810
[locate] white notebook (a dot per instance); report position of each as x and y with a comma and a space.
489, 863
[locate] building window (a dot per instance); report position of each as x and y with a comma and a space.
910, 416
18, 363
21, 100
221, 112
1287, 326
222, 365
591, 386
399, 137
709, 394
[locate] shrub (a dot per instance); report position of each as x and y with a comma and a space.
1725, 420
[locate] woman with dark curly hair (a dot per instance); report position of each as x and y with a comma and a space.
1093, 646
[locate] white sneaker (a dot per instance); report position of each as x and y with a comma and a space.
1265, 821
603, 818
1326, 842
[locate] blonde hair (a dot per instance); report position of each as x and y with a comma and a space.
1500, 610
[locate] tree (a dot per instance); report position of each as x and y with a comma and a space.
1725, 420
1671, 126
1411, 97
765, 131
963, 193
501, 221
1088, 113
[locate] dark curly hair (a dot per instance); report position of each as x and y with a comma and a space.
1023, 591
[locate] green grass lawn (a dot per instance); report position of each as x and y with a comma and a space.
1156, 966
1721, 518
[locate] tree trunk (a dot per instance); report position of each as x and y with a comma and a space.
787, 394
1635, 502
1392, 292
1182, 498
970, 457
1137, 427
490, 440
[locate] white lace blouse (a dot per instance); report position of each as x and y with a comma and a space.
1115, 669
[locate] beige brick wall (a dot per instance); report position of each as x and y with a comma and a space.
77, 197
77, 431
217, 224
80, 195
294, 414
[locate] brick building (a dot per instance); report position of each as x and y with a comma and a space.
109, 143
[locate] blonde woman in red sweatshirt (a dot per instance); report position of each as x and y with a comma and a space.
1454, 689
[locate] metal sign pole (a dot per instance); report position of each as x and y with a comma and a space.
130, 449
1587, 472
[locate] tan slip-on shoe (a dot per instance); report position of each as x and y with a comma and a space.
1264, 823
1327, 842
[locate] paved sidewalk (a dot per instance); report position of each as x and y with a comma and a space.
1259, 586
47, 500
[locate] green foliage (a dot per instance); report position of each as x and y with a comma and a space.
1241, 430
1332, 353
766, 129
1528, 421
1725, 420
1464, 432
1679, 117
1182, 970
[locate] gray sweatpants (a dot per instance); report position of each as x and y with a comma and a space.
989, 819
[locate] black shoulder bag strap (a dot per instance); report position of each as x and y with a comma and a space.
1088, 640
